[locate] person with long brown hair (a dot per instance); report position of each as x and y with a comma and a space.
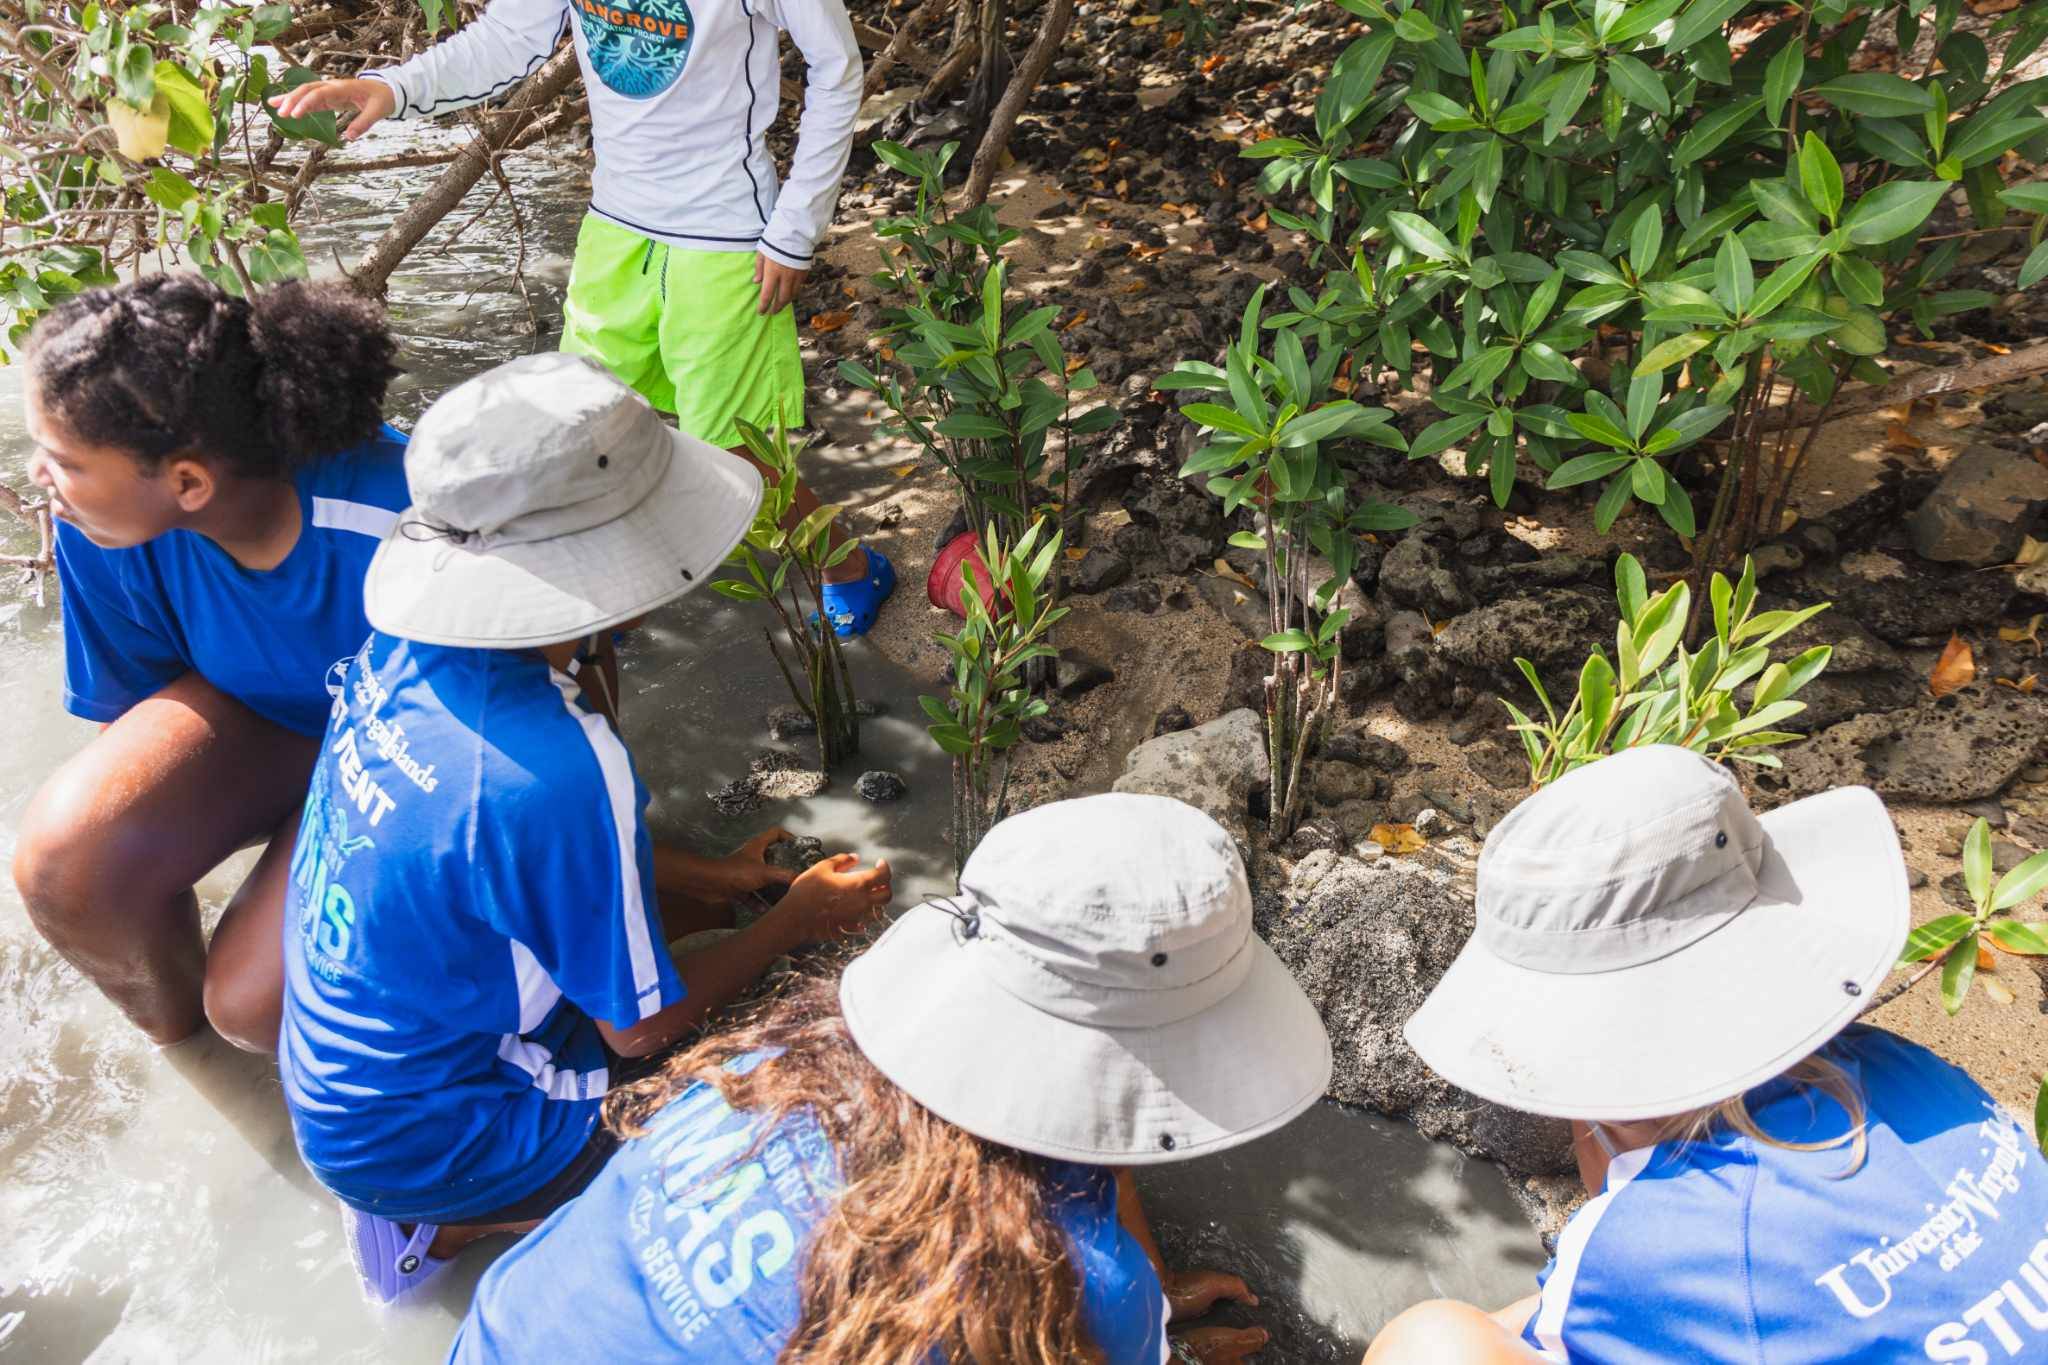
916, 1157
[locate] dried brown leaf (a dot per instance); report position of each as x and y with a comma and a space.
1398, 839
1955, 669
1224, 569
1897, 436
831, 321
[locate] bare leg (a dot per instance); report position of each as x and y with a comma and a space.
1443, 1332
851, 569
114, 841
244, 963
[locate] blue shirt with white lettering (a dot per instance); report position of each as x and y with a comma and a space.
473, 884
677, 1253
1729, 1249
139, 618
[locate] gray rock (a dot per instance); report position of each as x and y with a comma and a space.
1413, 575
1776, 558
1990, 812
1499, 760
1364, 632
1484, 716
1243, 607
1958, 749
737, 797
1336, 783
1143, 598
1099, 571
1076, 674
1550, 571
1984, 506
1367, 942
1425, 675
1212, 767
1915, 605
796, 853
1381, 753
880, 785
2032, 580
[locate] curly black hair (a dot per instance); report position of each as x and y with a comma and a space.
174, 364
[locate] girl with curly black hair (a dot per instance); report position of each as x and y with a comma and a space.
220, 473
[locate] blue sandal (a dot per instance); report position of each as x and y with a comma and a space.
852, 607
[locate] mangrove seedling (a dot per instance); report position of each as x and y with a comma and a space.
1656, 692
793, 587
981, 717
1955, 943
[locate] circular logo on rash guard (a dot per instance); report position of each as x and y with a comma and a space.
636, 47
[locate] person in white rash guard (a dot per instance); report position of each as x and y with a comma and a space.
693, 253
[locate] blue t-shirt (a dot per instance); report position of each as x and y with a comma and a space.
472, 885
138, 619
674, 1253
1735, 1250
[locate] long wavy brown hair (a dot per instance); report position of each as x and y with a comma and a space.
937, 1241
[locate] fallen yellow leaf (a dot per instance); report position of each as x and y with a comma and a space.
1398, 838
2025, 685
1076, 552
1147, 20
1997, 990
2029, 633
1224, 569
1954, 670
2032, 551
1898, 437
831, 321
904, 471
1075, 362
1075, 321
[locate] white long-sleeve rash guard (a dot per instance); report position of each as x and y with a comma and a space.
681, 96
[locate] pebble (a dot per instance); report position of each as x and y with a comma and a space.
1449, 805
1915, 878
1366, 851
880, 785
1989, 811
796, 853
2036, 774
1427, 822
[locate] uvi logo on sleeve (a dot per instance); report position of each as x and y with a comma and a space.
636, 47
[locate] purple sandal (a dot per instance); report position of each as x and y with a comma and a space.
392, 1264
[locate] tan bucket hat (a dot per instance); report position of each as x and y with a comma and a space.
549, 502
1647, 945
1095, 992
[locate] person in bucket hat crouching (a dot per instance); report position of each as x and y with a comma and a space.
1771, 1180
912, 1158
476, 918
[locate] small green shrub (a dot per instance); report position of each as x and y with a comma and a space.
816, 668
981, 717
1655, 691
1955, 940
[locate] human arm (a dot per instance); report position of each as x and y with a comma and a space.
719, 880
832, 75
493, 52
834, 897
1190, 1293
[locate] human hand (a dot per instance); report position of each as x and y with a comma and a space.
837, 896
1191, 1293
747, 868
1221, 1345
779, 284
372, 100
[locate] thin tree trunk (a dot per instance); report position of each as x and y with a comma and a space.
900, 48
501, 127
1051, 32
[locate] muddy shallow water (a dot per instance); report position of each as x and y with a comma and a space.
155, 1208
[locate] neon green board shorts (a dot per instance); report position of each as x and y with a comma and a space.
681, 328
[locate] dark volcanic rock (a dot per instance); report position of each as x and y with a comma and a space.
1172, 720
1138, 597
1413, 575
1915, 603
1962, 747
1367, 942
1553, 629
1076, 674
880, 785
796, 853
1100, 570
